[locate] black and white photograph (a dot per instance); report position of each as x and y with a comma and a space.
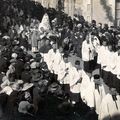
59, 59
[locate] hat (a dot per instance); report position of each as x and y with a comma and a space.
24, 106
26, 86
33, 65
53, 87
14, 55
37, 77
8, 90
32, 60
77, 62
97, 79
96, 76
79, 25
6, 37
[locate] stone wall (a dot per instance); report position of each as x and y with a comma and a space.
90, 9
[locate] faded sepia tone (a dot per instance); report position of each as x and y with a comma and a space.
100, 10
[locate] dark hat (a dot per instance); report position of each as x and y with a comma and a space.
96, 76
37, 77
77, 62
53, 87
38, 55
97, 79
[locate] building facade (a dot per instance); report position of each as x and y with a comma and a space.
103, 11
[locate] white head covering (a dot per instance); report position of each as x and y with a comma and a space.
26, 86
8, 90
45, 23
14, 55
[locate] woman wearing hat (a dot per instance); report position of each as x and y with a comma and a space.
75, 81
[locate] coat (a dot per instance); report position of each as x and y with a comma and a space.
3, 64
19, 66
26, 76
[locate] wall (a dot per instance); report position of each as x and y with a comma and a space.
48, 3
104, 12
90, 9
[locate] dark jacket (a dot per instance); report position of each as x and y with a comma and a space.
3, 64
26, 76
19, 66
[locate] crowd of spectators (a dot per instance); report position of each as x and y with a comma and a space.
29, 78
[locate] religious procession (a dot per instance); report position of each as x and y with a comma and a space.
54, 67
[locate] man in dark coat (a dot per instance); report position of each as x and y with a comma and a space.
26, 75
19, 66
3, 64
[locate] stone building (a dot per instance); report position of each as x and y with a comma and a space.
104, 11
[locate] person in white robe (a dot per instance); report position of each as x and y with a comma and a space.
57, 59
49, 57
86, 90
116, 70
63, 70
103, 60
87, 54
102, 53
110, 106
95, 45
98, 91
75, 81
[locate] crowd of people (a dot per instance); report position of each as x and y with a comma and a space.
58, 66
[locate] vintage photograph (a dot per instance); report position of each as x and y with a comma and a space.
59, 59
